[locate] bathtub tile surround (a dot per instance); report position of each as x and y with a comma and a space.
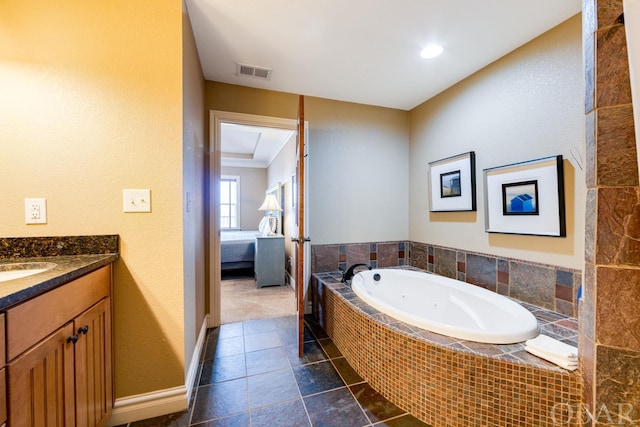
448, 382
327, 257
418, 255
533, 284
390, 254
503, 276
378, 255
566, 290
551, 287
609, 325
448, 264
355, 252
481, 271
461, 267
553, 324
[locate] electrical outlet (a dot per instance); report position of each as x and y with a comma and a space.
136, 200
35, 211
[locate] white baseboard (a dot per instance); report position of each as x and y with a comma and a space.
149, 405
192, 371
161, 402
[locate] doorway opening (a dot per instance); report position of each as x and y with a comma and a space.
252, 156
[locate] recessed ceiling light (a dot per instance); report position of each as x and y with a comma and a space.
431, 51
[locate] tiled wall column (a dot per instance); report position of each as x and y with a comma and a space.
610, 313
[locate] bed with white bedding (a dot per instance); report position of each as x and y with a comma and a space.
237, 249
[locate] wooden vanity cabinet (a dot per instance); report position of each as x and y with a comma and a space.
41, 390
59, 371
93, 367
3, 375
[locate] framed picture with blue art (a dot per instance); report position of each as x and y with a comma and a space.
452, 183
526, 198
520, 198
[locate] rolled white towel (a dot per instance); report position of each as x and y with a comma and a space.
552, 347
547, 355
563, 363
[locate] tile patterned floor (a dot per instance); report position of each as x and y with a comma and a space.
251, 376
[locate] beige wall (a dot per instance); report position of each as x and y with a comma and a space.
253, 183
240, 99
358, 172
91, 104
194, 158
527, 105
357, 165
280, 171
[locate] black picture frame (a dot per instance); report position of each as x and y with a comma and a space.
520, 198
450, 185
441, 174
543, 180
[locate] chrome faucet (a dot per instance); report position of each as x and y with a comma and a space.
348, 275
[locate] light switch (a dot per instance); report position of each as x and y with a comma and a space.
136, 200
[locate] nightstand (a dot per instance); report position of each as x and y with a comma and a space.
269, 262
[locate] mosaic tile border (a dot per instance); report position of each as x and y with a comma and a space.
448, 382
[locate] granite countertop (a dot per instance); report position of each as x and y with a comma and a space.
66, 268
73, 256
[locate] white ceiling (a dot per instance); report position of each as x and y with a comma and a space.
251, 146
364, 51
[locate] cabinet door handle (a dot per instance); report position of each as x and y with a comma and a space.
83, 330
72, 339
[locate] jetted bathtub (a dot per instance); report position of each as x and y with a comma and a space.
445, 306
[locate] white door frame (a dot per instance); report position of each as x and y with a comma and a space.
216, 118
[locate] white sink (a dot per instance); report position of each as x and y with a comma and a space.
23, 269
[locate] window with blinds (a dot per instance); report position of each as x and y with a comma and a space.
229, 202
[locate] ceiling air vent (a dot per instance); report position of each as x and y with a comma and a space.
254, 71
